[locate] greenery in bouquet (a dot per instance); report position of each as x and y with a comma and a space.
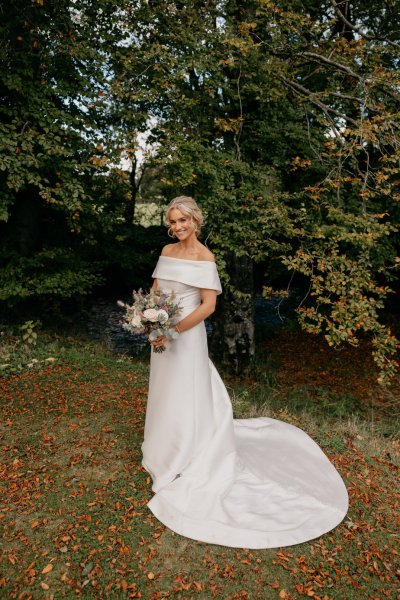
153, 314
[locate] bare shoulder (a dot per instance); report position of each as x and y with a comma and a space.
206, 254
167, 250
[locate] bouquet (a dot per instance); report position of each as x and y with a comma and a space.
154, 314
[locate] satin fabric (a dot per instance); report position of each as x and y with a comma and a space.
247, 483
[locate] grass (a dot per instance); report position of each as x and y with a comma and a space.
74, 516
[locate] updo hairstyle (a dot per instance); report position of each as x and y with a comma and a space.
189, 208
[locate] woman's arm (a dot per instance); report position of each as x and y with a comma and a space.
206, 308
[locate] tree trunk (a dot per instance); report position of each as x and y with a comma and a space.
135, 179
131, 204
233, 337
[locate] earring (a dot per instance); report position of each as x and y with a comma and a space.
171, 235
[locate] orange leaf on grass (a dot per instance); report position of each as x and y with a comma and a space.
48, 568
275, 584
198, 587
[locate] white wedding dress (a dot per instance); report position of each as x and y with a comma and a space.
247, 483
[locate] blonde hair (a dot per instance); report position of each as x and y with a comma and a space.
189, 208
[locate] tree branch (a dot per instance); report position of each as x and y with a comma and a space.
318, 58
238, 132
358, 29
345, 97
324, 60
310, 95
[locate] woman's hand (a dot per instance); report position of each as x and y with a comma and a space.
160, 341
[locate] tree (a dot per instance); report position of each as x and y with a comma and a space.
54, 79
281, 119
192, 79
346, 77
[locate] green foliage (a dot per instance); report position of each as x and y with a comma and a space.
29, 335
283, 123
57, 272
56, 181
18, 355
50, 71
281, 118
22, 349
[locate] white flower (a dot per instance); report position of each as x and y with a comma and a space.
136, 321
151, 315
155, 334
162, 316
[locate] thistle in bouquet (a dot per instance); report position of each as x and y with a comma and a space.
153, 314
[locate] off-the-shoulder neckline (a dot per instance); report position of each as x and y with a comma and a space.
212, 262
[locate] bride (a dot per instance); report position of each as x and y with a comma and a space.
247, 483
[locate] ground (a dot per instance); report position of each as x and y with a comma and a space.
74, 516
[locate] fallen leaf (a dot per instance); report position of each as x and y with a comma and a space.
275, 585
47, 568
87, 568
197, 586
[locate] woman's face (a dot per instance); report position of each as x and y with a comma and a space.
181, 225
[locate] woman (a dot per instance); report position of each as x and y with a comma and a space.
250, 483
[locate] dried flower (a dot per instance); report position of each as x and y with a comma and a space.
154, 314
